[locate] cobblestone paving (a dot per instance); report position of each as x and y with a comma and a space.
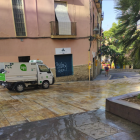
60, 99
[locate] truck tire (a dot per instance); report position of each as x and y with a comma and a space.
45, 85
19, 87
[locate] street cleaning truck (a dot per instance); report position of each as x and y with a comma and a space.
18, 76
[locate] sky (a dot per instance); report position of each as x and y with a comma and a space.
109, 14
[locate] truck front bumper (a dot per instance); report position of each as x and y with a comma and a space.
7, 84
4, 84
53, 81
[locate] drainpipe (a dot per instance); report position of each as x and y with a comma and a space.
90, 39
37, 18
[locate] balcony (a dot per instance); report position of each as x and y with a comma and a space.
98, 5
102, 16
99, 10
63, 29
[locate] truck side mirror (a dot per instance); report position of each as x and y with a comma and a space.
49, 71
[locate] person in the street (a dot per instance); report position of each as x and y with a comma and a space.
106, 70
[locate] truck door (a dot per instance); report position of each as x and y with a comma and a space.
44, 73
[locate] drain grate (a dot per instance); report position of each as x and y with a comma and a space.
97, 130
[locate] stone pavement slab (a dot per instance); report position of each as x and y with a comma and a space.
102, 77
97, 130
91, 125
60, 99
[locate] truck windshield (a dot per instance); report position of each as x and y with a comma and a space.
43, 68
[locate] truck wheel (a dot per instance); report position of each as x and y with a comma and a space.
9, 88
19, 88
45, 84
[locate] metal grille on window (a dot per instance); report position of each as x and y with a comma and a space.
19, 17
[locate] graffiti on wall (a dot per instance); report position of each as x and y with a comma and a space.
61, 67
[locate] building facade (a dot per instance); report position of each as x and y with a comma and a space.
56, 32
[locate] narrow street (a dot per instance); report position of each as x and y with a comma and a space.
70, 70
119, 75
62, 99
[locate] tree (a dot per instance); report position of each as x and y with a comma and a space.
110, 46
110, 33
128, 15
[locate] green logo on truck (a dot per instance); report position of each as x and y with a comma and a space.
23, 67
2, 77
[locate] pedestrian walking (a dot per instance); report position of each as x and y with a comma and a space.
106, 70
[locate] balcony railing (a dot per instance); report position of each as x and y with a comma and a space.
63, 29
99, 5
99, 1
102, 15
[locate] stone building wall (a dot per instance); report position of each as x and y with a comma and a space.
80, 73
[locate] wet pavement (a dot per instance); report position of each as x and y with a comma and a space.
90, 125
119, 75
63, 110
60, 99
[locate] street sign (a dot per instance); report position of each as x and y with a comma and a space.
62, 50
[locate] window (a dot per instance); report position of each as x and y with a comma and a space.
18, 12
43, 68
24, 58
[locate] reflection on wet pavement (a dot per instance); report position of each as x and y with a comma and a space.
90, 125
97, 130
59, 100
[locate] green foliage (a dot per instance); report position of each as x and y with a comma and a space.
128, 15
111, 32
111, 48
138, 96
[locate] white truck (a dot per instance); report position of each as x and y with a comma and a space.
18, 76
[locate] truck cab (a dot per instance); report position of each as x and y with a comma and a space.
44, 74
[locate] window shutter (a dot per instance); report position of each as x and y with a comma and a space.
62, 16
